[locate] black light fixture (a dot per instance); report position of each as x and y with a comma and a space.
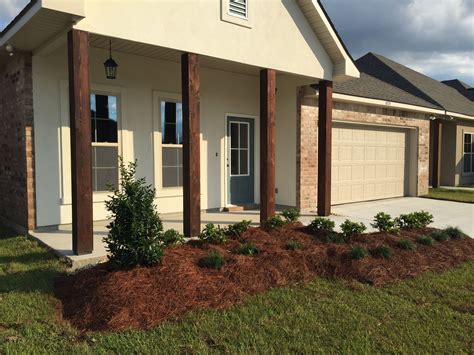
110, 65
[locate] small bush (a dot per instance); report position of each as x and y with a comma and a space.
382, 252
212, 234
237, 229
172, 237
291, 215
425, 240
294, 245
414, 220
406, 244
454, 233
352, 228
274, 222
247, 249
337, 238
440, 236
135, 227
357, 253
321, 224
213, 260
384, 222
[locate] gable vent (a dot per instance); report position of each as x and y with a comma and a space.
238, 8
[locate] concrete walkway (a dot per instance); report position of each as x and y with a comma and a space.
445, 214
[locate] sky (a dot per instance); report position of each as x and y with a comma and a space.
435, 37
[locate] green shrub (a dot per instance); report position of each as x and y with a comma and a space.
425, 240
334, 237
384, 222
135, 227
291, 215
294, 245
454, 233
247, 249
414, 220
274, 222
352, 228
172, 237
213, 260
237, 229
440, 236
357, 253
406, 244
212, 234
382, 252
321, 224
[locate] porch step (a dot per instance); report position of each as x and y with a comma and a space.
240, 208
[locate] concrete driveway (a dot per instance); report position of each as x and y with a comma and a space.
446, 213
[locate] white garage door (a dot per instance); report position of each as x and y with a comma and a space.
368, 163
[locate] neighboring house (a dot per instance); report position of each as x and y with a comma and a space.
462, 87
205, 98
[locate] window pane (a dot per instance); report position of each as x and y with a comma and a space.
171, 122
244, 136
170, 156
104, 157
106, 131
244, 169
104, 118
234, 162
234, 135
180, 176
103, 177
467, 163
467, 138
170, 177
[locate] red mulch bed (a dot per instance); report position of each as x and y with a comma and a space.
103, 298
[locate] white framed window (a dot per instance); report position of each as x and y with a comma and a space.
237, 12
171, 143
468, 153
239, 149
105, 145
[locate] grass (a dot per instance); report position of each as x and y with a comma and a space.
432, 313
452, 195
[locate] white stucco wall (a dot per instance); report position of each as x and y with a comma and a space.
140, 81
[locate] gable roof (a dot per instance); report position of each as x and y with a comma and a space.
415, 83
371, 87
461, 87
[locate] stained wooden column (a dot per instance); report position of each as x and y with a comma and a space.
437, 136
324, 147
81, 150
191, 144
267, 143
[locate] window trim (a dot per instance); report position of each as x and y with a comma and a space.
226, 16
158, 145
471, 153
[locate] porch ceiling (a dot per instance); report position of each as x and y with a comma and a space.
156, 52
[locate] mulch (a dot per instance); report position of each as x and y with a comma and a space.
106, 298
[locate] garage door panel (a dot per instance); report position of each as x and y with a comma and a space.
368, 162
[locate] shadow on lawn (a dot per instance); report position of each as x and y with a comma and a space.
37, 280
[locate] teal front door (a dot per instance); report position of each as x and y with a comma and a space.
241, 160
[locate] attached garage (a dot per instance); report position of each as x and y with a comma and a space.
370, 162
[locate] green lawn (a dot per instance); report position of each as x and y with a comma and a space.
433, 313
452, 195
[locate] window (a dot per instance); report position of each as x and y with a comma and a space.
239, 149
238, 8
468, 153
172, 143
104, 141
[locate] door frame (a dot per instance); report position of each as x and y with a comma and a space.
256, 152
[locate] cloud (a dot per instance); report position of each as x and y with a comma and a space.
9, 9
435, 37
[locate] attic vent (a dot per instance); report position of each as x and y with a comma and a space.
238, 8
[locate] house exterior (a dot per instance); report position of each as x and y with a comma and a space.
205, 98
462, 87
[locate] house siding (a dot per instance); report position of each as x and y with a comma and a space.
307, 153
17, 184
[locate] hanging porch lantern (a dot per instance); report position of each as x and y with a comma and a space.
110, 65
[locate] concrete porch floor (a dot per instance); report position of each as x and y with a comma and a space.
446, 213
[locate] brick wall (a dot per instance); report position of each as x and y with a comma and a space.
17, 185
307, 148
